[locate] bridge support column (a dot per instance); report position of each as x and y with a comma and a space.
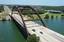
49, 17
59, 17
54, 17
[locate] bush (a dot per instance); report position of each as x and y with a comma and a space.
33, 38
3, 19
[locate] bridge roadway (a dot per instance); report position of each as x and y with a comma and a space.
45, 34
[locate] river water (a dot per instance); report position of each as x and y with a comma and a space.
9, 32
56, 25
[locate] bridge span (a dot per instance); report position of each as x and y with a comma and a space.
45, 34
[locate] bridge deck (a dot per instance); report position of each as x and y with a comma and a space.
45, 34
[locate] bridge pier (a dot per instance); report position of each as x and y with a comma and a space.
59, 17
54, 17
49, 17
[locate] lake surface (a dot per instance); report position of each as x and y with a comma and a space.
9, 32
56, 25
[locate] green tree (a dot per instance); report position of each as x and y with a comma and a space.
33, 38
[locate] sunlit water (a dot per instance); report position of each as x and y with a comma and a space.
9, 32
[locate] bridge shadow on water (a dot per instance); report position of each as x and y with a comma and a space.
21, 29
